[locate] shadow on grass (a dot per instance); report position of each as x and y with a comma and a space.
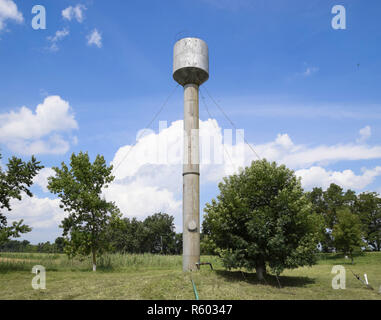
285, 281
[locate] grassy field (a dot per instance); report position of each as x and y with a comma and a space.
160, 277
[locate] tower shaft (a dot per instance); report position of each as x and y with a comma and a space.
191, 179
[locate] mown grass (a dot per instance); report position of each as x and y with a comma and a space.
149, 276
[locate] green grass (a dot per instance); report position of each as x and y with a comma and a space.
149, 276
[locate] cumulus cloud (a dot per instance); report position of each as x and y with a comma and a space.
9, 11
138, 199
40, 132
59, 35
76, 13
37, 212
320, 177
365, 134
148, 175
41, 179
152, 168
299, 156
94, 38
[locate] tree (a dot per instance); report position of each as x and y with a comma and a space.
349, 198
154, 235
262, 217
13, 183
159, 233
80, 189
126, 235
320, 207
327, 203
347, 233
368, 207
207, 245
15, 246
59, 244
334, 198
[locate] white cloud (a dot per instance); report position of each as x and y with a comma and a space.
365, 134
37, 212
138, 199
94, 38
284, 141
301, 156
145, 184
148, 176
320, 177
39, 132
74, 13
41, 179
9, 11
54, 144
59, 35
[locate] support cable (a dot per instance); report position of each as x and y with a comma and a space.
207, 110
147, 127
231, 122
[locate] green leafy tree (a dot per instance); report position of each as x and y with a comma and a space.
159, 233
326, 204
320, 207
349, 198
15, 246
347, 232
316, 196
15, 181
154, 235
262, 217
207, 245
89, 214
334, 198
59, 244
126, 235
368, 207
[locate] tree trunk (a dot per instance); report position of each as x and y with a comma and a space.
260, 270
94, 260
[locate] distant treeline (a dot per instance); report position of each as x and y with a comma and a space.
156, 233
342, 210
26, 246
153, 235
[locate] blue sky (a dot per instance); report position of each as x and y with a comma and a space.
305, 94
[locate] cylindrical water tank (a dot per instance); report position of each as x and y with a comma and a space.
190, 61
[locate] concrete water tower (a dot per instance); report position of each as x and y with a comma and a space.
191, 69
